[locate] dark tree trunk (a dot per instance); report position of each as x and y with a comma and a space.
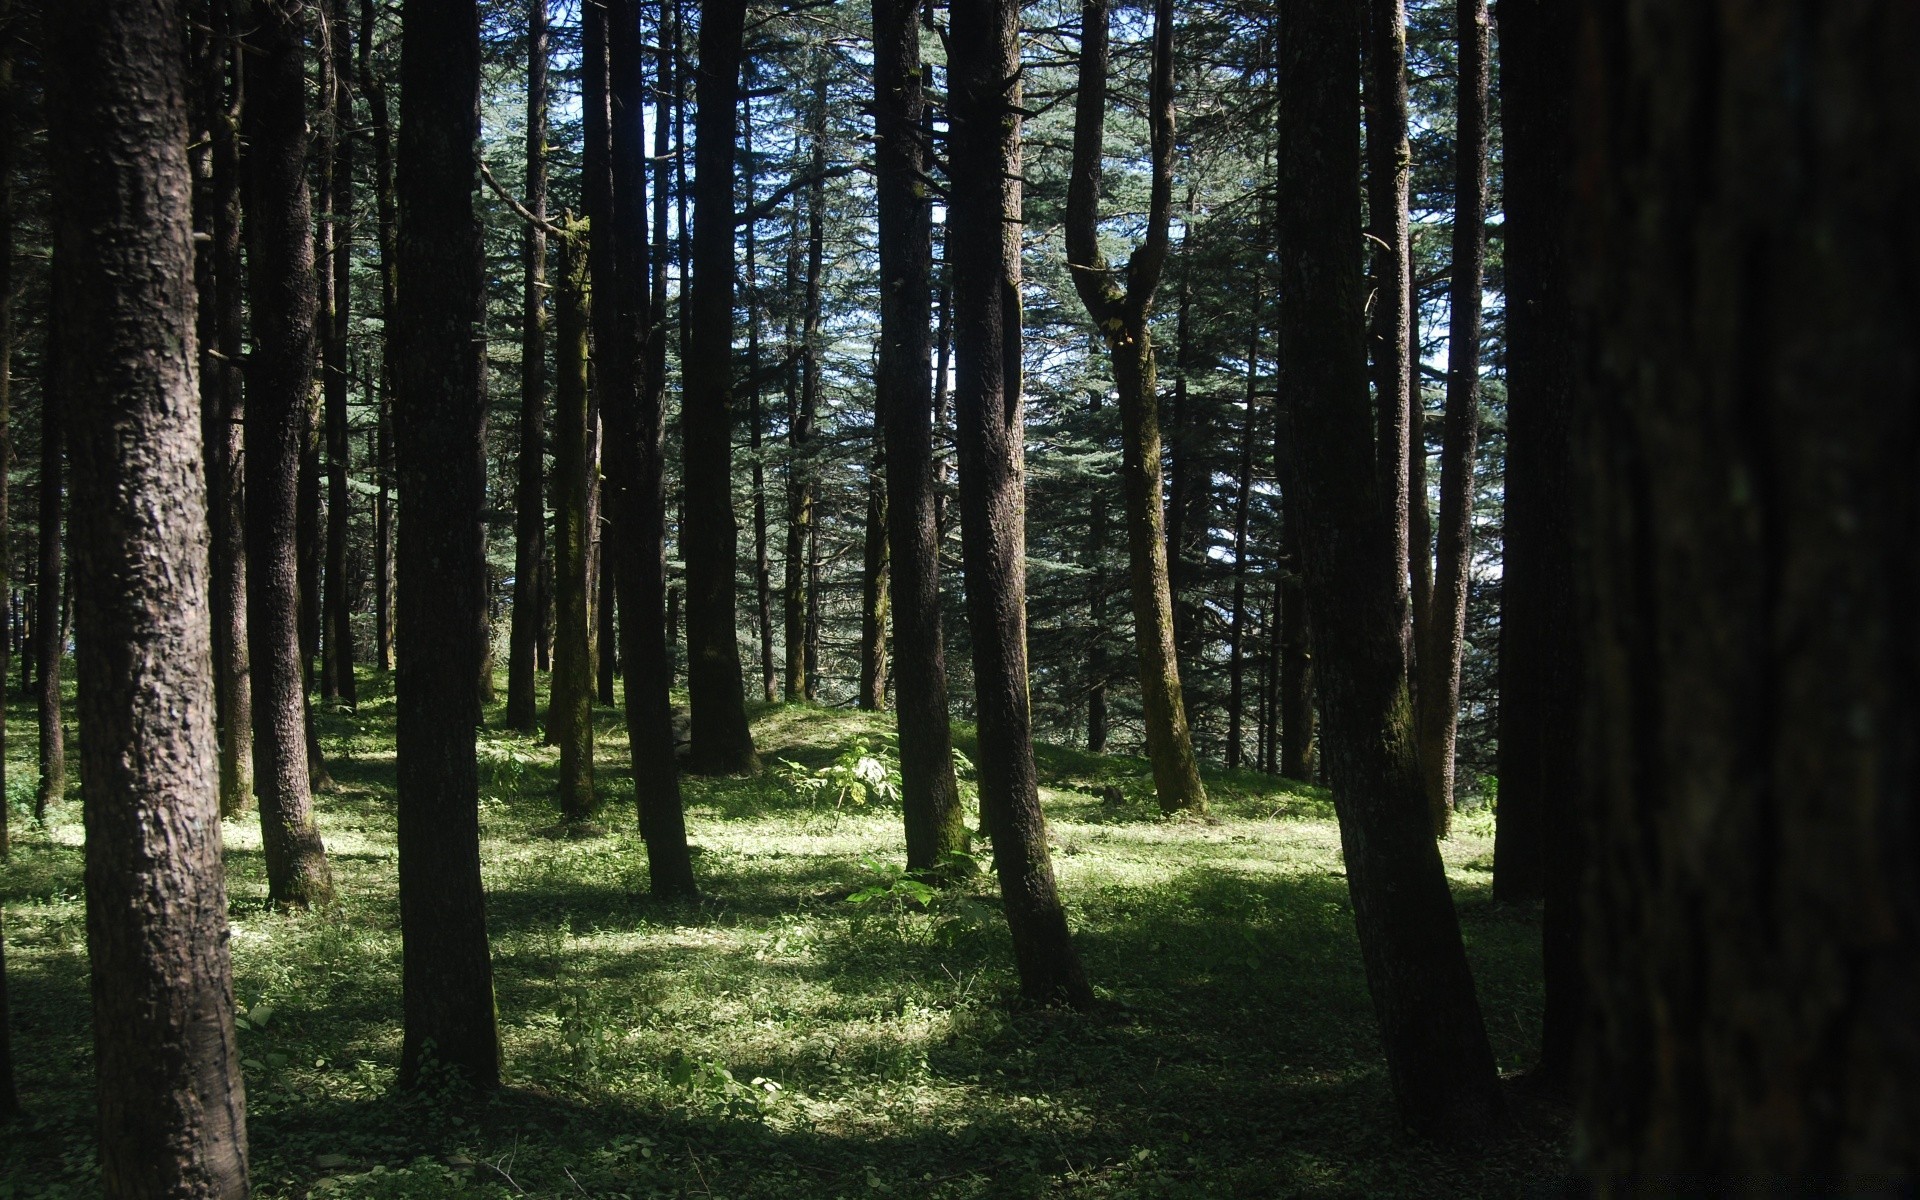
1097, 604
936, 826
1536, 848
634, 422
756, 417
9, 1095
1438, 1059
874, 570
281, 278
1294, 709
440, 423
1121, 316
803, 483
529, 519
722, 743
1389, 177
1750, 409
1438, 707
606, 656
172, 1109
984, 108
375, 90
572, 685
49, 633
339, 606
9, 1098
223, 412
1242, 515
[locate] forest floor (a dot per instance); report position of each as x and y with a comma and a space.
779, 1040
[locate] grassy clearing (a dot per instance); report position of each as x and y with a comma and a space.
776, 1040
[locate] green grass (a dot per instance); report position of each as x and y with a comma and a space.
775, 1040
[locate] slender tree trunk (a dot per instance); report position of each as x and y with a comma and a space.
1439, 698
606, 645
375, 90
635, 427
942, 390
1097, 604
339, 607
7, 42
171, 1105
529, 525
446, 972
984, 108
803, 494
793, 592
1748, 519
756, 419
1242, 515
722, 743
9, 1095
1438, 1059
1389, 177
1121, 316
279, 418
874, 570
936, 827
1295, 667
572, 710
48, 627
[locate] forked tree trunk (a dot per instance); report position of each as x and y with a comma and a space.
936, 827
440, 421
1748, 419
1121, 316
1438, 708
722, 743
529, 519
984, 107
171, 1105
281, 279
1438, 1059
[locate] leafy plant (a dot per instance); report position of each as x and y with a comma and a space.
860, 775
709, 1084
893, 886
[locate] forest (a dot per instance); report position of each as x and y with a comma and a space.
959, 598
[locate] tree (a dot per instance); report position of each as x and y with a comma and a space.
49, 624
1391, 330
337, 44
375, 90
803, 487
1438, 708
722, 743
440, 423
167, 1071
984, 216
280, 273
1747, 415
930, 797
572, 683
1121, 315
529, 518
1438, 1059
9, 1099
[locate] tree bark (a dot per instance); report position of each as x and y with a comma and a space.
1749, 399
172, 1108
1438, 1060
279, 417
375, 90
722, 743
8, 38
984, 215
339, 607
756, 417
1242, 517
1096, 603
572, 683
802, 482
1438, 708
874, 570
49, 629
529, 523
1389, 179
440, 423
1121, 317
936, 827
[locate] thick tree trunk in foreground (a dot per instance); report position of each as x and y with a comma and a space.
529, 517
1438, 699
572, 683
440, 422
1121, 317
984, 217
1750, 400
722, 744
1389, 177
936, 826
339, 610
280, 373
1536, 846
172, 1108
1438, 1059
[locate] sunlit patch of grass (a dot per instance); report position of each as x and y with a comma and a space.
773, 1039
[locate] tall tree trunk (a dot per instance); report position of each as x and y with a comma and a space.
1438, 1059
279, 417
803, 487
634, 422
529, 518
1748, 419
1389, 178
936, 827
606, 655
722, 743
1295, 709
1121, 316
339, 607
49, 633
1438, 709
375, 90
440, 424
171, 1105
942, 385
793, 591
1096, 603
874, 569
7, 43
756, 418
572, 684
1536, 847
1242, 516
984, 108
223, 418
